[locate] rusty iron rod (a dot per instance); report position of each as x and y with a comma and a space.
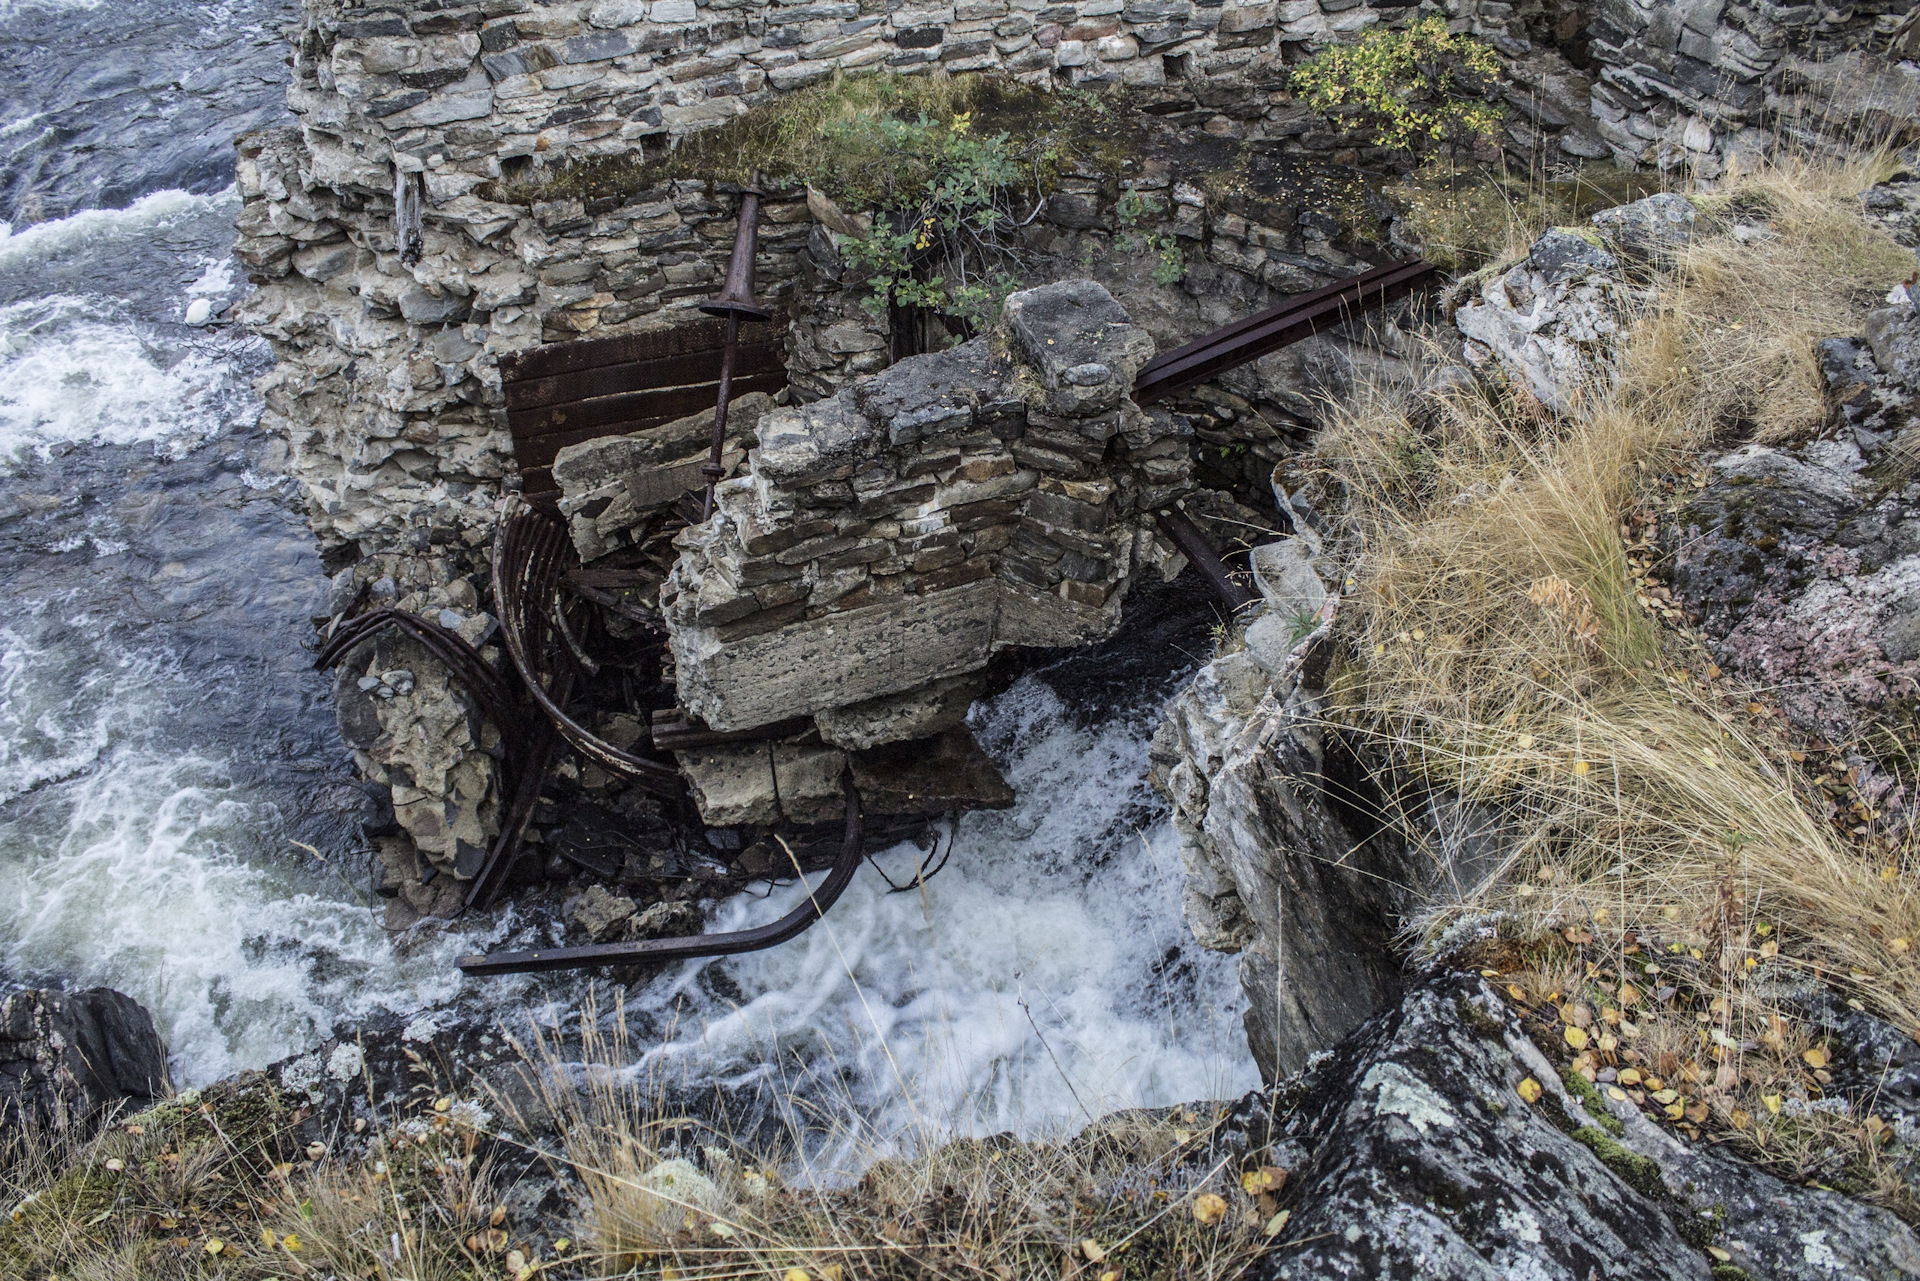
734, 301
657, 951
1199, 552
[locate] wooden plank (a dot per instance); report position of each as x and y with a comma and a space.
703, 334
613, 415
637, 375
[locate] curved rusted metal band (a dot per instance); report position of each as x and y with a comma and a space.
654, 951
462, 660
529, 554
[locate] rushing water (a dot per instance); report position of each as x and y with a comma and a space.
178, 818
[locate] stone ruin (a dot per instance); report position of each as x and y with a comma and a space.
407, 235
883, 543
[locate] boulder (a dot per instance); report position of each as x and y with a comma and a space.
67, 1056
1551, 321
1652, 230
1415, 1155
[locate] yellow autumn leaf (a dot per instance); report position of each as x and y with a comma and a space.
1900, 945
1580, 769
1111, 1274
1277, 1223
795, 1274
1816, 1057
291, 1242
1094, 1251
215, 1245
1576, 1037
1529, 1090
1209, 1207
1773, 1103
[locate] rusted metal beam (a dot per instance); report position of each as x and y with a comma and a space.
674, 730
1199, 552
1298, 317
659, 951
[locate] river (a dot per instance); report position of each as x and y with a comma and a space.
179, 818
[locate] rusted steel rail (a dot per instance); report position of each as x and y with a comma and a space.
656, 951
1298, 317
1199, 552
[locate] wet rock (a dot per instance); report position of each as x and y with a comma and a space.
1281, 865
666, 920
1415, 1155
66, 1056
600, 914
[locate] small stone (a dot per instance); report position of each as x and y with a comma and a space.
599, 914
199, 311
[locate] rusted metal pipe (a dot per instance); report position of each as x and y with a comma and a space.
656, 951
1194, 546
734, 301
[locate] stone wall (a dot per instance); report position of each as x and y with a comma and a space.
1689, 85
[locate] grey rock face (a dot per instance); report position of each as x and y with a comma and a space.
885, 542
65, 1056
1416, 1156
1550, 322
1803, 564
1652, 230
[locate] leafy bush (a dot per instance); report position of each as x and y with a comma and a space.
1421, 85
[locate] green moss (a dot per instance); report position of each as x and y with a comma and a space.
1582, 1089
843, 136
1637, 1172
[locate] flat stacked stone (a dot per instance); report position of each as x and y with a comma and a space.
889, 539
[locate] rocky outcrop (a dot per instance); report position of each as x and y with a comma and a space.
1802, 563
66, 1056
1413, 1151
887, 541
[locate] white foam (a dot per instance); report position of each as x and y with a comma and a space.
1025, 992
157, 211
150, 890
76, 370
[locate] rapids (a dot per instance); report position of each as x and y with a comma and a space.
179, 818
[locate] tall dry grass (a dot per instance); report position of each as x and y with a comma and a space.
1507, 654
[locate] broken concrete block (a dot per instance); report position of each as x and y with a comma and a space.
741, 784
918, 713
600, 914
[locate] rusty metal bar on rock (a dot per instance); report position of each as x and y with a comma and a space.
655, 951
1298, 317
735, 302
1194, 546
530, 552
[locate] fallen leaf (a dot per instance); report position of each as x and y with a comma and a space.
116, 1164
1665, 1096
1110, 1274
795, 1274
1900, 945
1514, 990
1277, 1223
833, 1272
1268, 1178
1209, 1208
1576, 1037
1719, 1254
562, 1245
1817, 1057
498, 1216
1529, 1090
215, 1245
1773, 1103
316, 1150
1630, 1076
291, 1242
1094, 1251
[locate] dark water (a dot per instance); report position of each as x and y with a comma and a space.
178, 818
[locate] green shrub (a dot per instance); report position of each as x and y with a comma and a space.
1415, 87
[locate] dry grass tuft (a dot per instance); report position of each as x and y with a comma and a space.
1508, 651
1136, 1194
